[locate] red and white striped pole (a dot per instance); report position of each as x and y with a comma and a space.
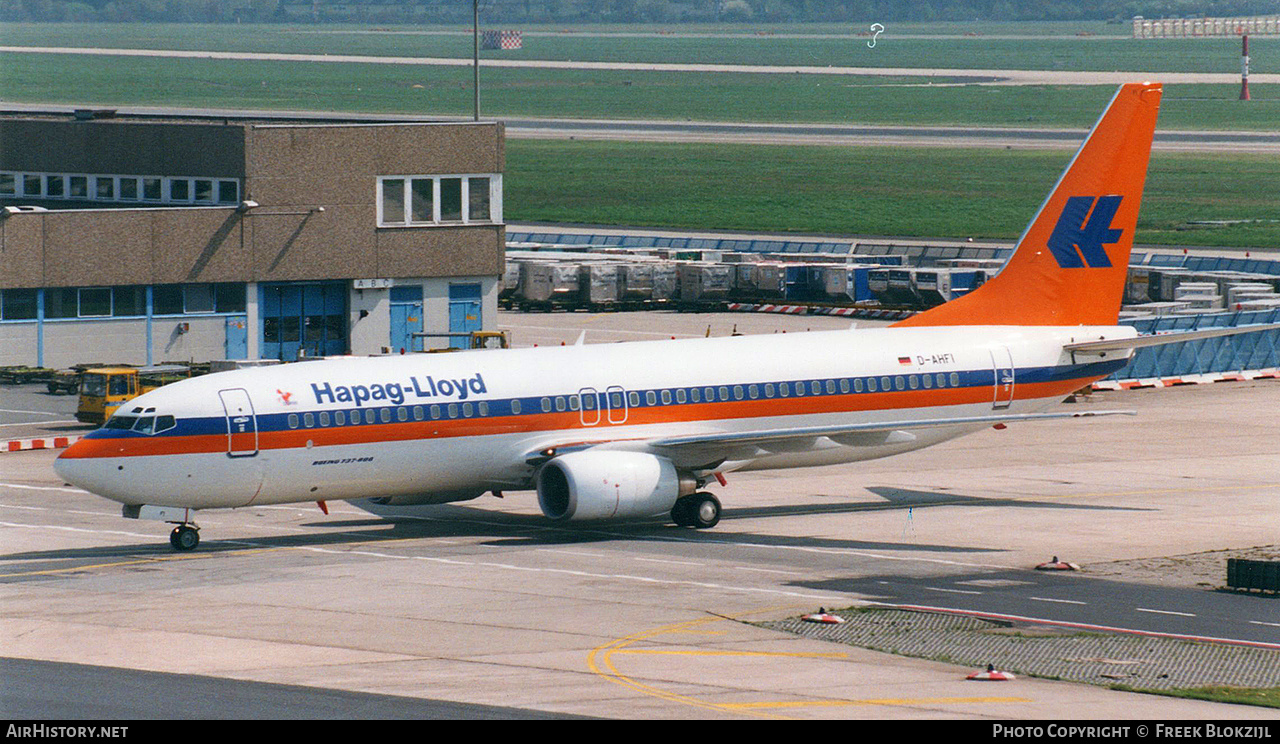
1244, 68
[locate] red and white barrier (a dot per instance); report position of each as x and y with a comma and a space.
19, 445
1157, 382
858, 312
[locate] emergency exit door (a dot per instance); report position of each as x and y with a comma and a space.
1002, 365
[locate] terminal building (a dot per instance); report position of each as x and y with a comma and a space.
143, 239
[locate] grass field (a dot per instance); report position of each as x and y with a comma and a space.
868, 191
441, 91
1057, 49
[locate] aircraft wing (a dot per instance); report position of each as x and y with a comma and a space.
708, 450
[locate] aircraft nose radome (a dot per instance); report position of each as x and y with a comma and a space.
81, 472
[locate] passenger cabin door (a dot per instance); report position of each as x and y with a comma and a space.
242, 423
1002, 364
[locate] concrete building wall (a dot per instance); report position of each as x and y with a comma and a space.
204, 338
108, 341
18, 344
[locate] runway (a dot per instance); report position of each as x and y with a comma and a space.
851, 135
485, 603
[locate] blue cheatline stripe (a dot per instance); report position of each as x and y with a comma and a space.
462, 410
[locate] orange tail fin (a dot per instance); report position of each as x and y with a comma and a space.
1069, 267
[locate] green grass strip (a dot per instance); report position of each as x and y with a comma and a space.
980, 193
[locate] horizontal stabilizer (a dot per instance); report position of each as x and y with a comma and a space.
1160, 339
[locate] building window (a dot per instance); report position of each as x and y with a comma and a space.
166, 299
127, 301
95, 302
478, 199
61, 302
423, 200
110, 188
18, 304
197, 298
434, 200
450, 199
228, 192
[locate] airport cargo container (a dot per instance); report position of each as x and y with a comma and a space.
510, 281
964, 281
549, 283
931, 286
636, 282
1236, 292
900, 290
666, 282
703, 282
846, 283
771, 280
600, 284
878, 284
744, 283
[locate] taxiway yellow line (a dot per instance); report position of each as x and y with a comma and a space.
601, 662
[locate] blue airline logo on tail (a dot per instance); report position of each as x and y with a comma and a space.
1076, 243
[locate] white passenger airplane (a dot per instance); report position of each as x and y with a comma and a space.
637, 429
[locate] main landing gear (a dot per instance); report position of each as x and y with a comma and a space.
700, 511
184, 537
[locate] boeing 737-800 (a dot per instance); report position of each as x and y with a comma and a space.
637, 429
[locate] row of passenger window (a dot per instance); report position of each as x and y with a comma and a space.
667, 396
725, 393
386, 415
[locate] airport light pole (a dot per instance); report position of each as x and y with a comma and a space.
475, 54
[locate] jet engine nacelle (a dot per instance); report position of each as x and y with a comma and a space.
608, 485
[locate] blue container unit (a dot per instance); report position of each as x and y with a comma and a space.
1246, 351
846, 283
798, 286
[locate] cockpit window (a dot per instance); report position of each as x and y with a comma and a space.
142, 424
154, 424
121, 422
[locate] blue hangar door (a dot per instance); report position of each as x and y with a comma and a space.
464, 312
298, 318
